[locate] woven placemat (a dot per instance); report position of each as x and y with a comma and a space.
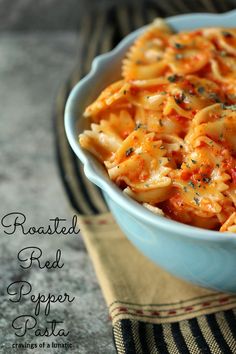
152, 313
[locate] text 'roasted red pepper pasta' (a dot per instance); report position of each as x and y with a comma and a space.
166, 132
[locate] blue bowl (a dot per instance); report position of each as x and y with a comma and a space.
203, 257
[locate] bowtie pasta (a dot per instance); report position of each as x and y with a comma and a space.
166, 131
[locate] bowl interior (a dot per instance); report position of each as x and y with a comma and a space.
105, 70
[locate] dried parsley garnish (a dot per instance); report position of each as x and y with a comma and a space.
179, 46
129, 151
139, 62
206, 179
179, 56
201, 89
214, 97
227, 34
172, 78
191, 184
138, 126
180, 98
223, 53
196, 200
232, 107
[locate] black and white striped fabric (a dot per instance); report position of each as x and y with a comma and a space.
209, 334
98, 33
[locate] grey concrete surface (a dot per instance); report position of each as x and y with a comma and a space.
32, 67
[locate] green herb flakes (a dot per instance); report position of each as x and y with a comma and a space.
138, 126
129, 151
206, 179
223, 53
232, 107
214, 97
196, 200
191, 184
227, 34
180, 98
172, 78
201, 89
179, 46
179, 56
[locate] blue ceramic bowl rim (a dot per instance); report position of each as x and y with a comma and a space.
108, 186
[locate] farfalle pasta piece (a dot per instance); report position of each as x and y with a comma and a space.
200, 182
176, 209
232, 192
223, 71
114, 95
145, 58
141, 165
230, 224
222, 39
222, 65
228, 208
217, 122
188, 52
102, 145
106, 137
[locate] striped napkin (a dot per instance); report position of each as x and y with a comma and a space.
151, 311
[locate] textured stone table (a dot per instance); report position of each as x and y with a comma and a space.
32, 67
